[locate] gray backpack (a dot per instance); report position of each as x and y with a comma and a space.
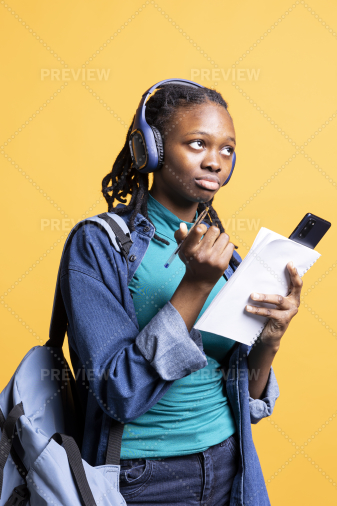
41, 420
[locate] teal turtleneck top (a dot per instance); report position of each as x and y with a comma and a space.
194, 413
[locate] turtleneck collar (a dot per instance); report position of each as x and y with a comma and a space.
164, 220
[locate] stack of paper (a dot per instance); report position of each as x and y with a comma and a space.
263, 270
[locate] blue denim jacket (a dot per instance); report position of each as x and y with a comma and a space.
121, 372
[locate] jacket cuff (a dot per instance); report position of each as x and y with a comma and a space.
260, 408
166, 343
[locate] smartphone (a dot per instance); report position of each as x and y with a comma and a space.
310, 230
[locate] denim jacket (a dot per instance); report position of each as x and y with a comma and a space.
121, 372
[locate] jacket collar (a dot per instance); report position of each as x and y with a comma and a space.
140, 219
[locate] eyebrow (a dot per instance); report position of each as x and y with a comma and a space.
206, 133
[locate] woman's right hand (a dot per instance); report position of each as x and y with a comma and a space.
205, 259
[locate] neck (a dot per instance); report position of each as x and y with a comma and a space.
184, 211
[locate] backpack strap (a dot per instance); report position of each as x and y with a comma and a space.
6, 442
19, 496
120, 236
16, 459
113, 453
76, 465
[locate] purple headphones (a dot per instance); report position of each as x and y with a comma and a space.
146, 143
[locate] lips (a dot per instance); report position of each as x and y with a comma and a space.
208, 182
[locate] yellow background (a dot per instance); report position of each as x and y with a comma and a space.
60, 138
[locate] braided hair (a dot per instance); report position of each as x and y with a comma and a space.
126, 180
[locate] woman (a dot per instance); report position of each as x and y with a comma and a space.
187, 397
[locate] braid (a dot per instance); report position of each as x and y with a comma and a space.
126, 180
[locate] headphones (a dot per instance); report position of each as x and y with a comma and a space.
146, 143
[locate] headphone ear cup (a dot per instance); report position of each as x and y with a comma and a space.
159, 143
231, 172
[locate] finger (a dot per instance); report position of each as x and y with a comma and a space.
210, 236
280, 301
181, 233
183, 228
276, 314
295, 280
221, 243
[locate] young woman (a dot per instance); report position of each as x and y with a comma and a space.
187, 398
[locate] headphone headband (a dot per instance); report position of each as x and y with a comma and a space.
183, 82
140, 113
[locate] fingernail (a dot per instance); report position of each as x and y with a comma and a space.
291, 264
249, 308
255, 295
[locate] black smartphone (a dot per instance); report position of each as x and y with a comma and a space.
310, 230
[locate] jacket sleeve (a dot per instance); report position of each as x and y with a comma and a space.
260, 408
128, 370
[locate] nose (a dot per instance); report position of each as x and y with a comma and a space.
211, 160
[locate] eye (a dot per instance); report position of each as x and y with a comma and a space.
227, 150
197, 145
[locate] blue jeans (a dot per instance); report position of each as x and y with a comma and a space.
199, 479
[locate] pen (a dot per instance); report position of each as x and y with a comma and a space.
175, 253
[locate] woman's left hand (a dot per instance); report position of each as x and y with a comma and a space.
287, 309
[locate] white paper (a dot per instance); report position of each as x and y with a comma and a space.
263, 270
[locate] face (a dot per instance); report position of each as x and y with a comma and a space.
200, 143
